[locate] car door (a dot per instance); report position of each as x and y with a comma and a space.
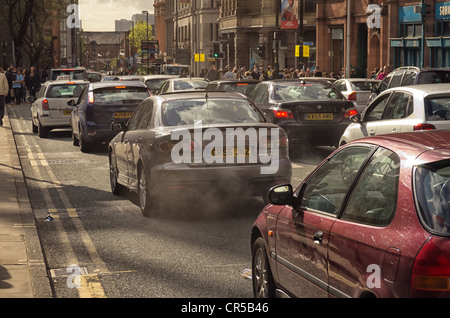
362, 255
396, 109
306, 227
135, 137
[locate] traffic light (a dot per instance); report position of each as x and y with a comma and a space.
216, 50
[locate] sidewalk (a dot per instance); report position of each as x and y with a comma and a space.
23, 272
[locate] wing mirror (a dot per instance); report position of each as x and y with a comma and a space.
281, 195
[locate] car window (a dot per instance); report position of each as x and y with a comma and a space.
133, 122
340, 85
437, 108
119, 94
378, 185
258, 93
243, 88
65, 90
376, 108
397, 106
396, 79
210, 111
409, 78
146, 115
384, 84
363, 85
432, 189
288, 92
154, 84
326, 189
430, 77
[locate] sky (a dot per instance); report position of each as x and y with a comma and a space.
99, 15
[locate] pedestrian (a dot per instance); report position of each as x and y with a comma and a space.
317, 72
4, 90
229, 74
10, 77
255, 72
32, 83
17, 85
383, 74
212, 74
24, 86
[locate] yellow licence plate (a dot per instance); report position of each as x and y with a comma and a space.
67, 112
123, 115
319, 116
231, 152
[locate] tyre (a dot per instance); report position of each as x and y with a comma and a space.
147, 204
84, 145
34, 128
42, 131
75, 140
262, 279
116, 188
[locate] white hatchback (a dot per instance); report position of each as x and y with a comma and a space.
49, 109
402, 109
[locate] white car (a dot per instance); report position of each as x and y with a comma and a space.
49, 108
357, 90
402, 109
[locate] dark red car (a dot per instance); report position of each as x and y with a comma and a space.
372, 220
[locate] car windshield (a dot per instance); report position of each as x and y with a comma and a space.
210, 111
431, 77
119, 95
432, 189
65, 90
314, 91
243, 88
437, 108
188, 85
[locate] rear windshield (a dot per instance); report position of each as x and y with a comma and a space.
434, 77
364, 85
212, 111
74, 74
154, 84
432, 188
120, 95
189, 85
288, 92
437, 108
243, 88
65, 90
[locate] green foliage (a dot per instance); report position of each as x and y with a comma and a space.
139, 33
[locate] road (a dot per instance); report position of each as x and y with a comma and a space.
193, 251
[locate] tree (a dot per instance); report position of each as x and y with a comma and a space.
139, 33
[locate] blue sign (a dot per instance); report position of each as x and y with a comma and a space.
442, 11
407, 14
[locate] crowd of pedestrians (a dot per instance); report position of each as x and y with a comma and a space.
22, 82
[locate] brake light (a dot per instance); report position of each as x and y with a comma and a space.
91, 97
266, 141
424, 127
431, 270
120, 86
350, 113
352, 96
45, 104
166, 146
282, 114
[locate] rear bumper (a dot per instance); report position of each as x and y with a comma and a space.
97, 132
48, 121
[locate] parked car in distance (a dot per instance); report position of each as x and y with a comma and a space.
141, 155
49, 109
402, 109
154, 82
76, 73
100, 104
411, 75
312, 112
357, 90
243, 86
179, 84
372, 220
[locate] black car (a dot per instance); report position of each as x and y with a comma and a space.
243, 86
99, 105
177, 146
312, 112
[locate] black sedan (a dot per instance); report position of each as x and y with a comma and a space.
99, 105
311, 111
194, 143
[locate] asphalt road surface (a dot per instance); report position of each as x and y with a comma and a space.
102, 240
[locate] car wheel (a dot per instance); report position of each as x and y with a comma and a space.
75, 140
262, 279
116, 188
146, 204
42, 131
34, 127
84, 145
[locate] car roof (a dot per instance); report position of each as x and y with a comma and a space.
244, 80
412, 143
116, 83
424, 89
200, 94
146, 77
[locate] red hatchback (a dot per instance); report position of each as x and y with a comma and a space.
372, 220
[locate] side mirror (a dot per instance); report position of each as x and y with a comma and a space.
71, 102
118, 126
355, 118
281, 195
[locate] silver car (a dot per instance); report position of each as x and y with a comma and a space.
183, 84
357, 90
49, 108
402, 109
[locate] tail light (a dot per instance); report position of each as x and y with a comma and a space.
282, 114
352, 96
431, 270
45, 104
349, 113
266, 141
91, 97
167, 146
424, 127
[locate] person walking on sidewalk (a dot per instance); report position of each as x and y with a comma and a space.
4, 89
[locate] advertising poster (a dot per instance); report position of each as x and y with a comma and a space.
289, 14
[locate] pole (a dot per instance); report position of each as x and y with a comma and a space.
276, 67
347, 69
422, 44
301, 33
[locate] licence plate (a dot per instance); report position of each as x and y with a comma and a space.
231, 152
67, 112
123, 115
319, 116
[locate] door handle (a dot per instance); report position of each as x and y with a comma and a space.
318, 236
394, 130
372, 132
